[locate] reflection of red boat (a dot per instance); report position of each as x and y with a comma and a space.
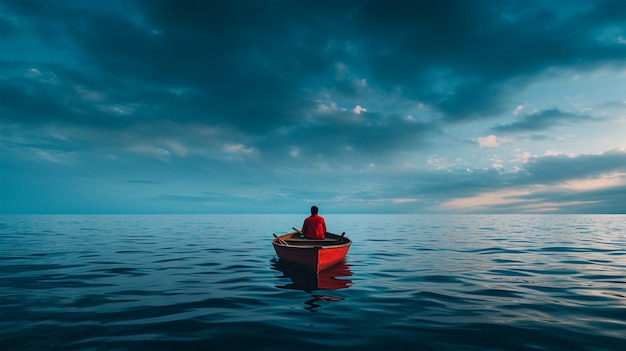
313, 255
329, 279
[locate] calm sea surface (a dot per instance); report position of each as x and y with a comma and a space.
410, 282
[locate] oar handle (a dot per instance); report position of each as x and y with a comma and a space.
298, 230
280, 240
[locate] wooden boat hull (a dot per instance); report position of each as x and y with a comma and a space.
313, 255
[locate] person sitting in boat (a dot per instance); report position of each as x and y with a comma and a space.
314, 226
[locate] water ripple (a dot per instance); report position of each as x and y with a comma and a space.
409, 282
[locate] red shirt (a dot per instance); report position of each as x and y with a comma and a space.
314, 227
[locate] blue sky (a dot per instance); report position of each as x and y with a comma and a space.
273, 106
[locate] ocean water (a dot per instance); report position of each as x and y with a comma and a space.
410, 282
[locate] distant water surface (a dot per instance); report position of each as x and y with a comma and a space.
410, 282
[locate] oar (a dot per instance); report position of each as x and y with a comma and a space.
280, 240
342, 237
298, 230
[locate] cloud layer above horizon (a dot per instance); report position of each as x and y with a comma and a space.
273, 106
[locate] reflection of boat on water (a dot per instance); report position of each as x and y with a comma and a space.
305, 280
328, 279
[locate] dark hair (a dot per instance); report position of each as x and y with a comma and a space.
314, 210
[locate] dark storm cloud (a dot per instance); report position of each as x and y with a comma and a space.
53, 94
542, 120
344, 137
257, 66
240, 91
465, 57
240, 63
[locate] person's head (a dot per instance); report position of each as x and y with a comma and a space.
314, 210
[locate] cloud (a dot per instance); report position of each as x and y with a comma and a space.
583, 177
601, 195
255, 68
489, 141
334, 96
358, 109
560, 168
542, 120
239, 149
600, 200
447, 40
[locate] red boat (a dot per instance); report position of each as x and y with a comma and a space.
313, 255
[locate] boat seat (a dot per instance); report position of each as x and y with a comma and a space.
310, 241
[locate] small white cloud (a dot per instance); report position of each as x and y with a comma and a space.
117, 109
358, 109
523, 157
294, 152
559, 153
489, 141
518, 109
402, 200
237, 149
327, 108
177, 148
33, 72
56, 157
45, 77
438, 162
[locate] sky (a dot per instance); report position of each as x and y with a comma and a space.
273, 106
